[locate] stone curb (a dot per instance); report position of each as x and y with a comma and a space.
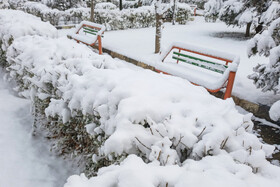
64, 26
260, 111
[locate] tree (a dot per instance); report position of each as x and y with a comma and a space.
121, 5
62, 4
92, 6
212, 9
174, 11
267, 76
236, 12
159, 21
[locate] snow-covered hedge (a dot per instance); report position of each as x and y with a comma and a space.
14, 24
42, 11
139, 112
213, 171
153, 124
113, 18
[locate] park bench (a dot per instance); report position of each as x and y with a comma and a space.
88, 33
209, 68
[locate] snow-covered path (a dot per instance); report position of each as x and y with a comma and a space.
25, 161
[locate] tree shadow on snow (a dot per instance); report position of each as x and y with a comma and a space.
239, 36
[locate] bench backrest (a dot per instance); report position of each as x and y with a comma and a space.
90, 28
199, 61
200, 57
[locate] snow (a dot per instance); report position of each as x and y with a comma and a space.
14, 24
186, 136
217, 171
106, 5
84, 38
91, 24
25, 160
274, 111
247, 16
195, 74
271, 14
89, 39
139, 44
177, 118
203, 50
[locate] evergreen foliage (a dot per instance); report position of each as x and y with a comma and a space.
237, 12
267, 76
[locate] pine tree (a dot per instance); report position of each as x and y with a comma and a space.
267, 76
212, 9
237, 12
63, 4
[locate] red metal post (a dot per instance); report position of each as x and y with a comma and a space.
99, 44
229, 85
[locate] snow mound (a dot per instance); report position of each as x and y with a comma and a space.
274, 111
14, 24
210, 171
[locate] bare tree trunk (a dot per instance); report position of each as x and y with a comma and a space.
248, 29
174, 13
158, 27
92, 10
121, 7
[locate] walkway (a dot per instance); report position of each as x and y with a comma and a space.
25, 161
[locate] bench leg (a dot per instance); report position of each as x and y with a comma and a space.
229, 85
99, 45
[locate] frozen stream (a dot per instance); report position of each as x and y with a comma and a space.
25, 161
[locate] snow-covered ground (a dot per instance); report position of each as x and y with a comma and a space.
25, 161
139, 44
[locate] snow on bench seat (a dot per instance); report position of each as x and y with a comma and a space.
84, 38
207, 79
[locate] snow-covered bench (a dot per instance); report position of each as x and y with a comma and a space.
88, 33
209, 68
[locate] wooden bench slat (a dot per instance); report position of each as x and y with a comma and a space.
198, 65
202, 60
93, 33
90, 29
